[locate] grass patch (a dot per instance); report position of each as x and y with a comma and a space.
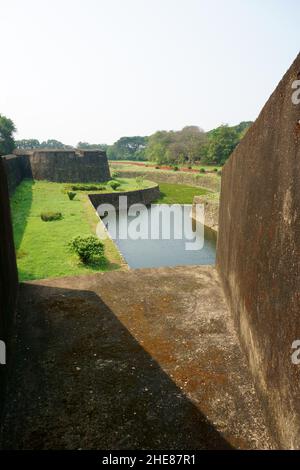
129, 165
179, 193
42, 248
117, 185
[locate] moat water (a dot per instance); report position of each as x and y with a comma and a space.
152, 253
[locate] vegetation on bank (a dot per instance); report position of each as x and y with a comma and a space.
47, 223
116, 185
132, 165
187, 146
192, 144
7, 130
210, 180
43, 247
179, 193
89, 248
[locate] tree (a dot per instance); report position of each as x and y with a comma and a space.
242, 127
28, 144
7, 129
192, 138
157, 147
176, 147
128, 148
222, 142
54, 144
87, 146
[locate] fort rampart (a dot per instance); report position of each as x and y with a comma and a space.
70, 166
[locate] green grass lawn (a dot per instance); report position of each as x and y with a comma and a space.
42, 247
179, 193
130, 165
126, 184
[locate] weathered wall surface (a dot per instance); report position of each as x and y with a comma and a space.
211, 211
14, 171
258, 254
8, 272
142, 196
69, 166
59, 166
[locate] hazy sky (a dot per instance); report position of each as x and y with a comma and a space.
95, 70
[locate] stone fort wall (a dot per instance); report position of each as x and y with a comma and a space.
141, 196
258, 253
70, 166
8, 276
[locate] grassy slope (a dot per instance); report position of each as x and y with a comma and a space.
130, 165
209, 180
42, 247
179, 193
127, 184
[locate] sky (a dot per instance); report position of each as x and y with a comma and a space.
97, 70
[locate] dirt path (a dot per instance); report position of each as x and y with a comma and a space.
145, 359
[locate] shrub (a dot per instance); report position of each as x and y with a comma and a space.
215, 169
157, 167
89, 249
114, 185
115, 174
49, 216
175, 168
87, 187
71, 195
189, 167
202, 170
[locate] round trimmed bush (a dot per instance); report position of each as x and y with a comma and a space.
202, 170
50, 216
71, 195
114, 184
89, 249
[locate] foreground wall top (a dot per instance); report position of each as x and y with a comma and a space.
259, 251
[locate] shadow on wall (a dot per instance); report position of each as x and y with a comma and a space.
22, 197
86, 382
8, 276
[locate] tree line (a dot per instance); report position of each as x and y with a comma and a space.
187, 146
